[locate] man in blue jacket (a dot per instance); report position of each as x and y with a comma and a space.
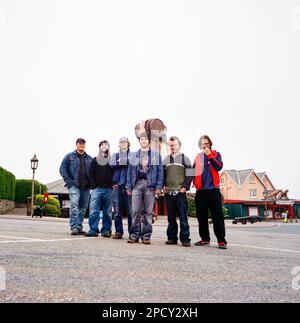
74, 170
121, 200
144, 181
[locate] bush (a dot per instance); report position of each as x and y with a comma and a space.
51, 208
23, 189
51, 201
7, 185
192, 207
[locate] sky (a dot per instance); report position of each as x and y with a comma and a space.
94, 69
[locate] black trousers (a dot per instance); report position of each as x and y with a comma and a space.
177, 206
210, 200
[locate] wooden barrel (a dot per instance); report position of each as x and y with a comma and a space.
153, 127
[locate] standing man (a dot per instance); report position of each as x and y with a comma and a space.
121, 200
101, 198
144, 180
74, 170
178, 175
207, 165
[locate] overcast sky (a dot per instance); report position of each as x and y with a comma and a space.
94, 69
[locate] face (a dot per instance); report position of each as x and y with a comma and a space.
144, 142
174, 146
80, 147
124, 145
204, 144
104, 147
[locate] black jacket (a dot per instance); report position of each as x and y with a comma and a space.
101, 173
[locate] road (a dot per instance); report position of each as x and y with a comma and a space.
43, 263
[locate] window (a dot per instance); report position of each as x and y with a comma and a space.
253, 211
252, 178
253, 193
222, 181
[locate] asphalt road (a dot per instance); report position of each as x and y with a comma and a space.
43, 263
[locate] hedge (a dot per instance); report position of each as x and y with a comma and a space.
7, 185
23, 189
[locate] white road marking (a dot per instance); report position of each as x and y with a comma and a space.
18, 238
263, 248
28, 240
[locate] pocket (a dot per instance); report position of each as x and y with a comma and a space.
71, 161
72, 189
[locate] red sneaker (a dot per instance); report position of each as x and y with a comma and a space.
222, 245
202, 243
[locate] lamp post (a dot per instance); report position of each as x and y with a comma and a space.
34, 165
265, 194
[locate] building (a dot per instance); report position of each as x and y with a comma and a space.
248, 193
59, 190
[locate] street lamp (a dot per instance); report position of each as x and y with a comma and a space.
265, 194
34, 165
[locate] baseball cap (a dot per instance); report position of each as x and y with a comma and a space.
122, 139
80, 141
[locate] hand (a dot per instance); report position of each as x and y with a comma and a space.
129, 193
206, 151
158, 192
183, 190
115, 187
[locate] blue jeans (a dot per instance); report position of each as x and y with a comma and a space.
121, 203
100, 198
143, 198
79, 202
177, 206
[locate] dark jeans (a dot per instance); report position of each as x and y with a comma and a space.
210, 200
177, 206
121, 203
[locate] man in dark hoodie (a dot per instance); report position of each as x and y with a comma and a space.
121, 200
101, 183
178, 175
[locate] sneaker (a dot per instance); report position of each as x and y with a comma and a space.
186, 244
74, 232
222, 245
202, 243
91, 234
170, 242
106, 235
132, 241
146, 241
117, 236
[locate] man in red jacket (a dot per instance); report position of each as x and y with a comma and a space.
207, 165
